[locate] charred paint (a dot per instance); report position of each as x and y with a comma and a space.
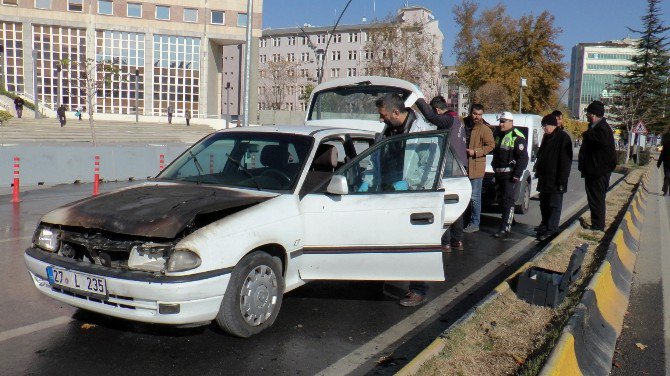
154, 211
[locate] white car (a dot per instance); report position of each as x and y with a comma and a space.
248, 214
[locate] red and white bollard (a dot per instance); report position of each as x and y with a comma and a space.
96, 176
161, 162
211, 163
15, 191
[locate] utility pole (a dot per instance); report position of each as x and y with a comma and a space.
228, 105
137, 93
323, 60
36, 94
59, 69
247, 63
3, 83
522, 84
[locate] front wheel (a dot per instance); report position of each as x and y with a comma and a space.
253, 297
522, 208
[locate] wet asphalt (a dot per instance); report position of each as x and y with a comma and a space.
319, 324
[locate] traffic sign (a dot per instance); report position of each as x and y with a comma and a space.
640, 128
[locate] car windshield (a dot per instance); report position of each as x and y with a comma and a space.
263, 161
350, 102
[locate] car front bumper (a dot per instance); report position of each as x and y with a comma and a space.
133, 295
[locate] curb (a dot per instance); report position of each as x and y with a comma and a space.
435, 347
587, 343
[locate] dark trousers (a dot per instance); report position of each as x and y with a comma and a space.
19, 112
188, 122
62, 120
596, 189
666, 178
550, 208
418, 287
508, 191
454, 233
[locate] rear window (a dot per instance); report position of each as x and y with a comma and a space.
350, 102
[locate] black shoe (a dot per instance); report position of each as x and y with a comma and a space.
501, 234
545, 235
412, 299
540, 229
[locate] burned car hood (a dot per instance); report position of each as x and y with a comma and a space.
156, 211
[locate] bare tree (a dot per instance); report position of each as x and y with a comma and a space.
494, 97
406, 51
279, 78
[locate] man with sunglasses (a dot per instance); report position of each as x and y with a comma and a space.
510, 159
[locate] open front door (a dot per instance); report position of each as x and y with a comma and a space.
388, 226
457, 188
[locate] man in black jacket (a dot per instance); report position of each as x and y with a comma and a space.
597, 160
552, 168
664, 159
437, 114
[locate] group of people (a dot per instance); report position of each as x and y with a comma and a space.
170, 115
473, 138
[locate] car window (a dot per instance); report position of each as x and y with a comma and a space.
350, 102
257, 160
398, 164
452, 167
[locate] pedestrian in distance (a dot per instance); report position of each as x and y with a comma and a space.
187, 115
438, 114
664, 159
510, 159
78, 113
401, 120
61, 115
596, 161
18, 106
479, 138
170, 112
552, 168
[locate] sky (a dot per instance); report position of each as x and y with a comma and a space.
581, 21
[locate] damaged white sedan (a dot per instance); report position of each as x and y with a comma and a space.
246, 215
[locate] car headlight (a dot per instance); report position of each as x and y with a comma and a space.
48, 239
181, 260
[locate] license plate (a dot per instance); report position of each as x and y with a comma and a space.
86, 284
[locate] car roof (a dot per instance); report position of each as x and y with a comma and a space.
314, 131
373, 80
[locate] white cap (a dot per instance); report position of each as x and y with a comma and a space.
506, 115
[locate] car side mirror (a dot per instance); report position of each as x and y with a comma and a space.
338, 185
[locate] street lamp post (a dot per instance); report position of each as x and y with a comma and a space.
36, 95
3, 83
137, 93
247, 63
522, 84
228, 104
59, 69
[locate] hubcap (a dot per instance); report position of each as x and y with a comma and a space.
258, 296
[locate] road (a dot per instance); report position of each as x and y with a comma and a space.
328, 327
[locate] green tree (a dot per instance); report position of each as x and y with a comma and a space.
495, 47
642, 92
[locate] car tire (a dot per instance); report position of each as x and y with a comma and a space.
253, 297
522, 207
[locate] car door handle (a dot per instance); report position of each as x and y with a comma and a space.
421, 218
451, 198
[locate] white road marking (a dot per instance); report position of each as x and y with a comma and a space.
359, 356
32, 328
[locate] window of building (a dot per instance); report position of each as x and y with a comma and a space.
162, 12
335, 55
190, 15
276, 57
43, 4
105, 7
218, 17
364, 36
263, 58
337, 38
304, 56
12, 36
276, 42
134, 10
353, 37
290, 56
304, 40
334, 72
351, 72
353, 55
75, 5
368, 55
263, 42
176, 74
10, 2
321, 38
319, 73
291, 41
242, 19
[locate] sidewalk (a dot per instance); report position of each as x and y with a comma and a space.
644, 345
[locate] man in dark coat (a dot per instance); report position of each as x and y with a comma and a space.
61, 115
552, 168
597, 160
664, 159
18, 106
437, 114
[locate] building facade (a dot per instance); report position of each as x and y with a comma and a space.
594, 68
164, 53
456, 94
300, 52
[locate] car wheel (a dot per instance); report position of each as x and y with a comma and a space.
253, 297
522, 208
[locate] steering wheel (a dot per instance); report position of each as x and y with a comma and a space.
277, 173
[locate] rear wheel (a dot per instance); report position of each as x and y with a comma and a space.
253, 297
522, 207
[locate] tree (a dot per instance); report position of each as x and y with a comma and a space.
498, 48
643, 90
307, 93
4, 117
281, 78
404, 50
494, 97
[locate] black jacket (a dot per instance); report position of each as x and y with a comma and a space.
665, 153
597, 155
513, 159
446, 121
554, 160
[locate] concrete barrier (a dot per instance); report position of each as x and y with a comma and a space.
587, 343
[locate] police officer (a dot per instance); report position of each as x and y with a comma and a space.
510, 159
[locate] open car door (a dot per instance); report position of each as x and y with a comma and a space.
382, 216
457, 189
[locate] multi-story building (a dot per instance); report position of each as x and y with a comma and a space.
594, 68
456, 94
303, 48
177, 53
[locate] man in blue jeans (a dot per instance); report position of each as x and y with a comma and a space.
479, 138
